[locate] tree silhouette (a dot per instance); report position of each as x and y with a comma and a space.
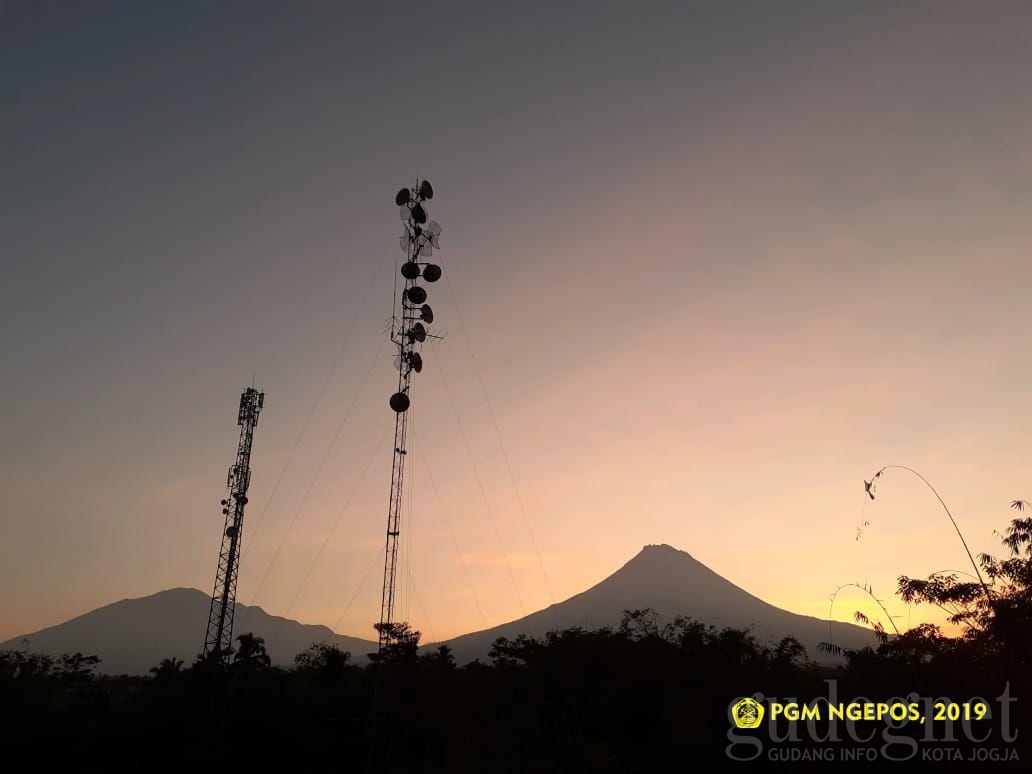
402, 644
640, 624
169, 667
440, 659
1000, 623
250, 657
323, 657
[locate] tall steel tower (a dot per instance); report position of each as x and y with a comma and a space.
418, 241
219, 637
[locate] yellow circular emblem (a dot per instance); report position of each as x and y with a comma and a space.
748, 713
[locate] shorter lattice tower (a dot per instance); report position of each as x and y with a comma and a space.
218, 640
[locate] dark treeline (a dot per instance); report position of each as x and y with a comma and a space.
645, 694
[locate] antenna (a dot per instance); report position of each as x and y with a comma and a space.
418, 240
218, 640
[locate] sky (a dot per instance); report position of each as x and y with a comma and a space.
708, 266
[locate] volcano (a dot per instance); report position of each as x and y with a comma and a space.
673, 583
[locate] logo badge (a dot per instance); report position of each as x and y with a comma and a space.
748, 713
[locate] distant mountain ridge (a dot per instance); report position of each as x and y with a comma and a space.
133, 635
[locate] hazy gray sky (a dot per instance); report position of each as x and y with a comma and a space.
717, 262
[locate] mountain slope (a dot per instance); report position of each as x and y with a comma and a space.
673, 583
133, 635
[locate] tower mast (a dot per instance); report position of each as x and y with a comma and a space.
219, 636
418, 241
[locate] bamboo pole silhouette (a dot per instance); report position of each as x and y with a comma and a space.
869, 592
869, 486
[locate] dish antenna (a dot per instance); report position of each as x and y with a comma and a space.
400, 402
417, 333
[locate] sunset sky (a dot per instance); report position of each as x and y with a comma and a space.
716, 264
